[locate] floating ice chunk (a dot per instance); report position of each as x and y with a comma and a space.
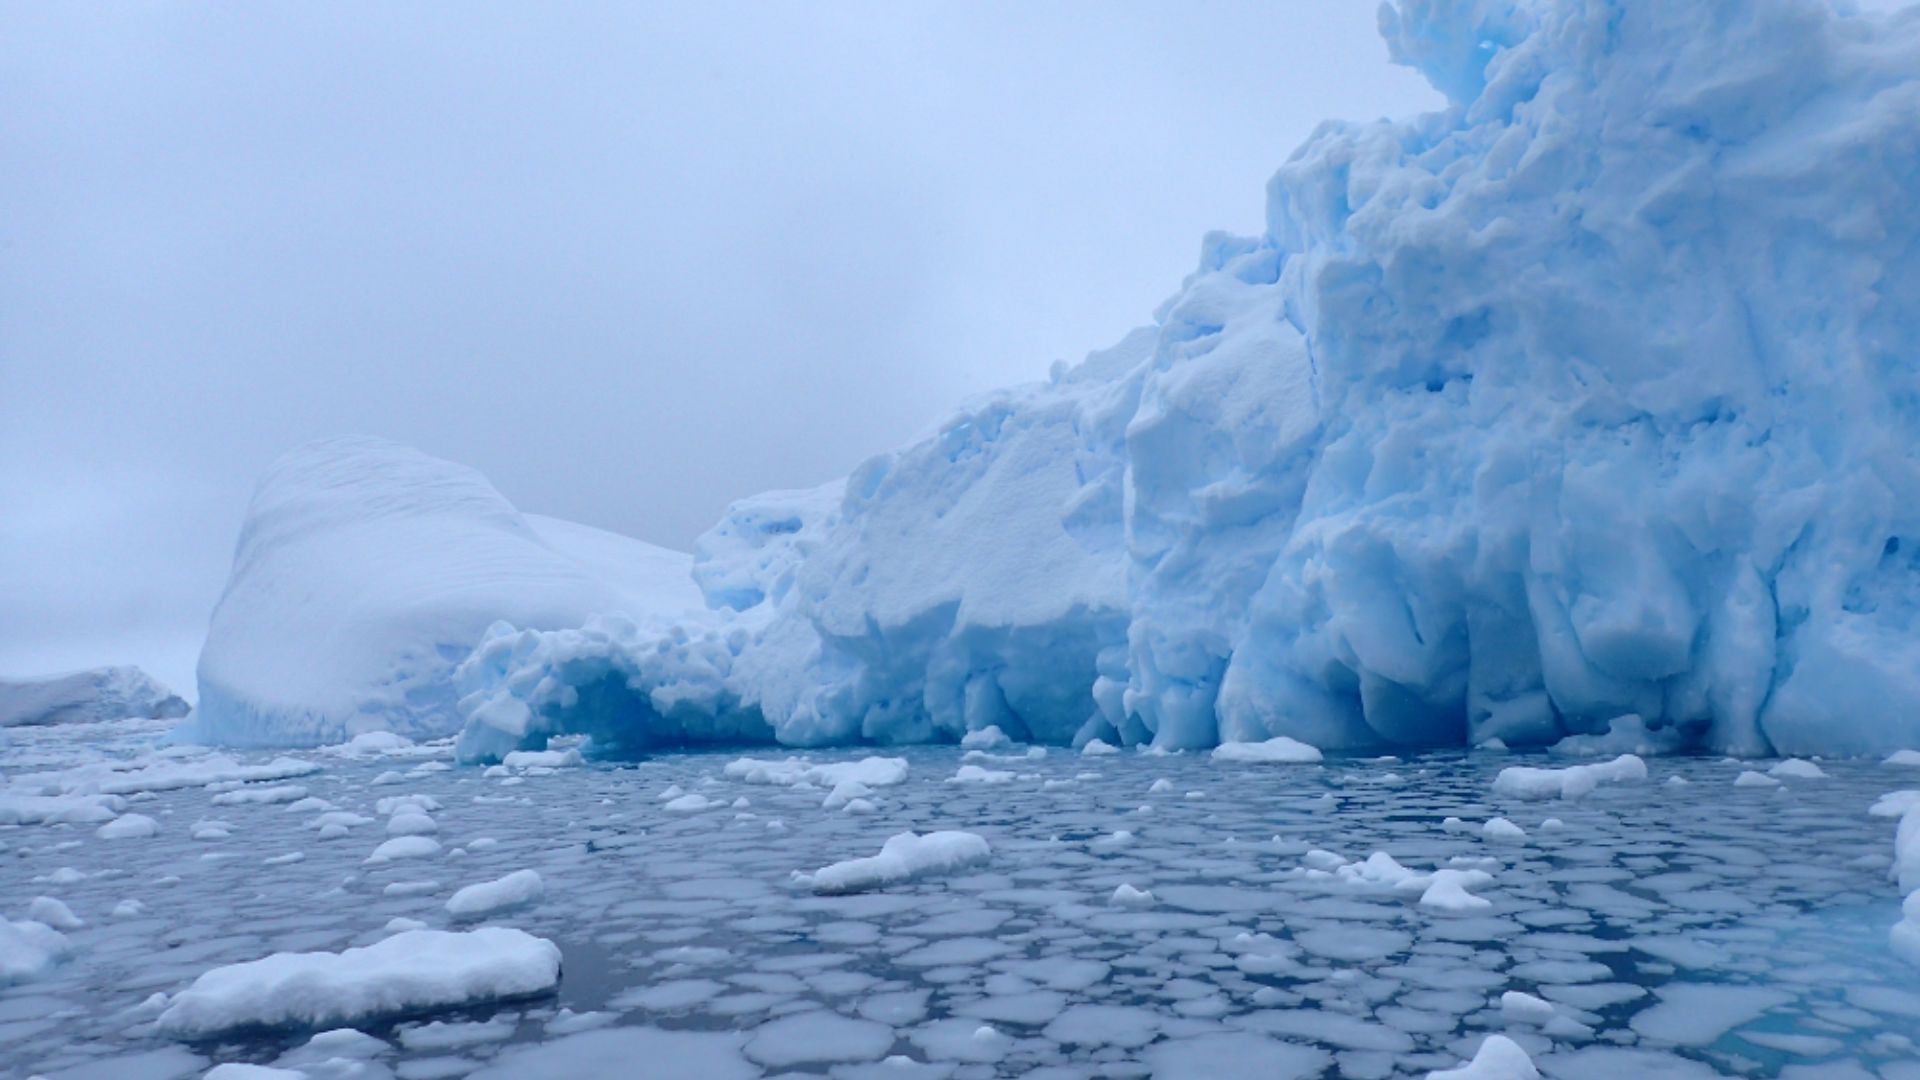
1278, 750
58, 809
308, 805
1798, 769
859, 806
1903, 757
1906, 850
1115, 839
1573, 782
1160, 785
405, 847
211, 830
1895, 803
1499, 1058
128, 827
128, 908
1905, 935
514, 890
401, 922
691, 803
27, 949
46, 909
871, 771
372, 743
974, 774
410, 822
1524, 1008
393, 804
1128, 896
903, 857
1447, 890
1501, 829
1098, 748
543, 759
412, 970
844, 792
987, 738
1749, 778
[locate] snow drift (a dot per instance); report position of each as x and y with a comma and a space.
1590, 396
108, 693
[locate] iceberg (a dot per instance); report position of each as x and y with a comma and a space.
1590, 396
367, 571
80, 697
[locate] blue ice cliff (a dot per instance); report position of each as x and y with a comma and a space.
1590, 402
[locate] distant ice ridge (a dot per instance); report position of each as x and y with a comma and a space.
108, 693
1589, 397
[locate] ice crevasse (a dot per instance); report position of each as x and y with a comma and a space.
1593, 395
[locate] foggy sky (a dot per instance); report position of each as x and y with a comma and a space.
631, 261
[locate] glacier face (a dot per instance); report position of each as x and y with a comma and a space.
1592, 396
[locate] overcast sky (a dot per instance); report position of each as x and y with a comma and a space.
632, 261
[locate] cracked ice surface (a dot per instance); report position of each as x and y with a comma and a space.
1653, 929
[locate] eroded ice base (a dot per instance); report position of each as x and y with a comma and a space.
1660, 929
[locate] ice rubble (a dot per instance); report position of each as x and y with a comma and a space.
108, 693
1589, 396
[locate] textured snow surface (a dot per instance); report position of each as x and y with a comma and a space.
1274, 921
108, 693
1580, 410
410, 971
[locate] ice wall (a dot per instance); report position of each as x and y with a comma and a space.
1591, 396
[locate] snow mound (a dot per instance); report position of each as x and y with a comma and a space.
412, 970
108, 693
27, 949
904, 857
366, 571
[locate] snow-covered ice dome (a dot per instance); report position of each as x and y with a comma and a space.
367, 570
